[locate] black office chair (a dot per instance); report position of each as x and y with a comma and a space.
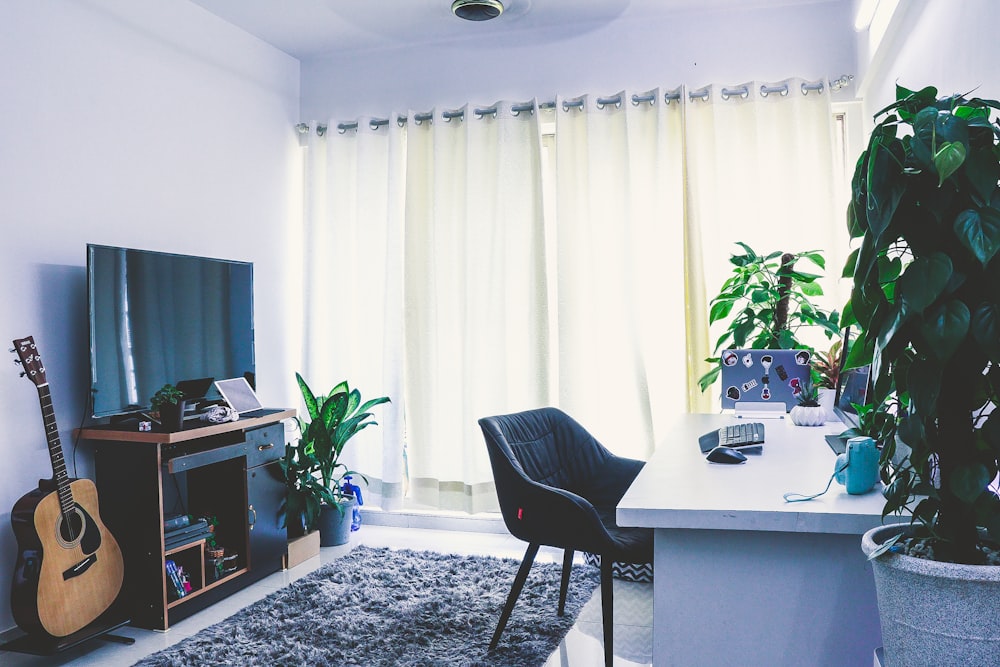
559, 486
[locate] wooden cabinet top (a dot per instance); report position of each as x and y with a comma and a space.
128, 432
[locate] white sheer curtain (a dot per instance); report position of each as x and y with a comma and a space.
620, 266
353, 318
760, 169
426, 283
475, 295
500, 262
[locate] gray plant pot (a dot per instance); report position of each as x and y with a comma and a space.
934, 614
335, 526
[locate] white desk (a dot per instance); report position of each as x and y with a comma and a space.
740, 576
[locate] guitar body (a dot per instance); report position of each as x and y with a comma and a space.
66, 575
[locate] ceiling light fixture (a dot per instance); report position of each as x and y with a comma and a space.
477, 10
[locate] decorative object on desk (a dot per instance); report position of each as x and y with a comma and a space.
826, 375
168, 402
857, 467
445, 616
808, 412
313, 470
926, 281
772, 302
219, 414
69, 568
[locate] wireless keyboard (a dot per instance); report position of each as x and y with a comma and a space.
743, 436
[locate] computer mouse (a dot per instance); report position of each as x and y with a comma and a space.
726, 455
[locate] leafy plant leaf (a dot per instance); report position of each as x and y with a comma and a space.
979, 231
923, 381
924, 280
945, 328
986, 329
948, 159
968, 481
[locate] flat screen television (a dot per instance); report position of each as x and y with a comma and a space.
159, 318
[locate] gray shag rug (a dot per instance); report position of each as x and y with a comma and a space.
379, 607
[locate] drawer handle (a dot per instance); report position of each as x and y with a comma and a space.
261, 448
252, 516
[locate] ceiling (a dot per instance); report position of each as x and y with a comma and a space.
310, 28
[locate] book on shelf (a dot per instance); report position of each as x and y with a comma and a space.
186, 538
175, 521
200, 525
174, 579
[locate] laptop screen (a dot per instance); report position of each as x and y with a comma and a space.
852, 387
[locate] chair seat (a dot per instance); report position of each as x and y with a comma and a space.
632, 545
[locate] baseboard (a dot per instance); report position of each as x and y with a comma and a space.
434, 520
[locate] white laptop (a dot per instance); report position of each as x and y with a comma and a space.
774, 377
239, 395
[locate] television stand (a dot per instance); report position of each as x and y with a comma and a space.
229, 473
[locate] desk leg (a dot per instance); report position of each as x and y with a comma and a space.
762, 598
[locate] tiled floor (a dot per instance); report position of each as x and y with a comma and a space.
582, 647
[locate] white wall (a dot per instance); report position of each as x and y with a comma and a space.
943, 43
142, 124
814, 41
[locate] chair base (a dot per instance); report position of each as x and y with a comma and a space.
607, 597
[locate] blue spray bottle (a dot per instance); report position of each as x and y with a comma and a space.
354, 490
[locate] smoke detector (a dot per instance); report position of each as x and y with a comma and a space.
477, 10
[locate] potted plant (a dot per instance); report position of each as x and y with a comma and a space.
808, 411
769, 302
926, 208
825, 373
168, 401
313, 469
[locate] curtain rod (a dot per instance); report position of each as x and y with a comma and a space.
649, 97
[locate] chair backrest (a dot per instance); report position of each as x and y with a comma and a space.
549, 447
537, 457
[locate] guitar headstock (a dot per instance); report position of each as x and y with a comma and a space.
29, 358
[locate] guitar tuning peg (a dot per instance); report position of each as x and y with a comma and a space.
12, 350
23, 373
17, 361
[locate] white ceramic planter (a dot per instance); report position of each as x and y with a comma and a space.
934, 614
826, 397
802, 415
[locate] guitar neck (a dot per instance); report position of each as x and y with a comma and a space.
55, 449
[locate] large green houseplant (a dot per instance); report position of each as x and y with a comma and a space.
926, 208
313, 469
768, 301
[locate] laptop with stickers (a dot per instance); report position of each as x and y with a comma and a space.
763, 376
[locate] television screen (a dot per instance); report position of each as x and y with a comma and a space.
159, 318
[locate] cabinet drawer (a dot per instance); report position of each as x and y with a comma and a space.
265, 444
184, 462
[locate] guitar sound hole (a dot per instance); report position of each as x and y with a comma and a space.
70, 527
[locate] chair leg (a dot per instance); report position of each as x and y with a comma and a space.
607, 609
567, 568
515, 591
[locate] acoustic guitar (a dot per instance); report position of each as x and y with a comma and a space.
69, 568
